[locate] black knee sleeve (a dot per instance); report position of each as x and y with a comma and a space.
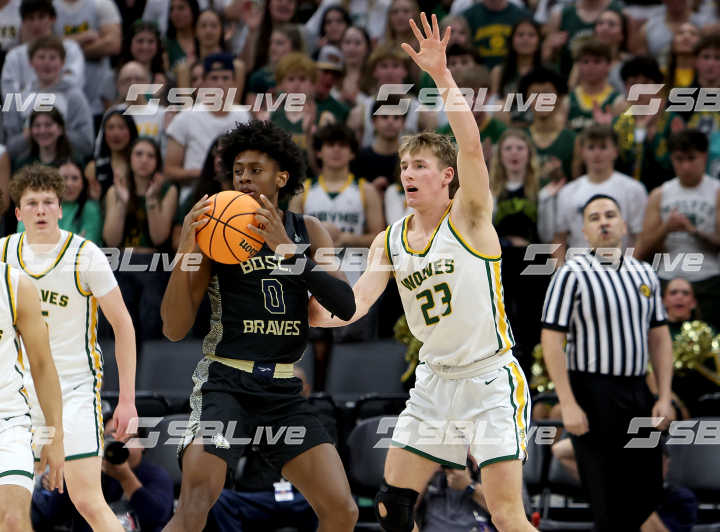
399, 504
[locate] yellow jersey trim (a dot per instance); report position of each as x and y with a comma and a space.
77, 271
55, 263
11, 297
323, 185
404, 239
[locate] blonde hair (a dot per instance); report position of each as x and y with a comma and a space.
498, 175
439, 145
295, 62
381, 53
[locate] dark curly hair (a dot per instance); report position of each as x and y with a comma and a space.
265, 137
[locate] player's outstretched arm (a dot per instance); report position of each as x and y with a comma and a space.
187, 285
33, 329
474, 196
367, 289
328, 285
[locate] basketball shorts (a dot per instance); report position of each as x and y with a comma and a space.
82, 418
232, 409
487, 415
16, 458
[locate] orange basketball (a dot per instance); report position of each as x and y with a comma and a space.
226, 237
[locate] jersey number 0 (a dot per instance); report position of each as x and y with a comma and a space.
273, 295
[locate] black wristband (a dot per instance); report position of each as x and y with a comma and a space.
332, 293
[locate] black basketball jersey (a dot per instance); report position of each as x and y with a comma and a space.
256, 313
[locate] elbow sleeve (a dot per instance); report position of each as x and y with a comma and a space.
332, 293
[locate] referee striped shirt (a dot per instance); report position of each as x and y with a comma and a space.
607, 312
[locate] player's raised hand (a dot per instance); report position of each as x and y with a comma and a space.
431, 57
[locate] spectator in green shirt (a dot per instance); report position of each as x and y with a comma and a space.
491, 22
329, 73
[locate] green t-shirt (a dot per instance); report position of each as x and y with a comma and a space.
578, 28
426, 81
492, 130
88, 225
490, 30
137, 228
563, 147
648, 161
262, 80
330, 105
17, 164
580, 109
175, 52
280, 119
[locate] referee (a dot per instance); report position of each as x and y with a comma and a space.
609, 309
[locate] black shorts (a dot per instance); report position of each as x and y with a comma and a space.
232, 409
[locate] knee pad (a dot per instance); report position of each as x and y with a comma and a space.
399, 504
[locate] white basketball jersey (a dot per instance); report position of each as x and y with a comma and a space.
13, 397
698, 204
69, 308
453, 299
346, 208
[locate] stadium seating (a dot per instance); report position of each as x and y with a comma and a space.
695, 466
167, 367
380, 404
147, 403
110, 374
361, 368
164, 454
366, 463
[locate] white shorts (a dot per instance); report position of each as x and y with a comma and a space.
82, 418
16, 458
487, 415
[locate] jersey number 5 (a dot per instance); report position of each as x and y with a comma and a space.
429, 304
274, 297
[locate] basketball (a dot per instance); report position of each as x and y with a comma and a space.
226, 237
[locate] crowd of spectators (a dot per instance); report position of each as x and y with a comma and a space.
123, 75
